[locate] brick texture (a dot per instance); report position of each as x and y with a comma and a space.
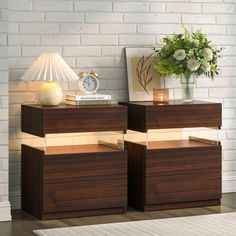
4, 192
91, 35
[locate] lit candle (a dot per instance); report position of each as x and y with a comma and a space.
161, 95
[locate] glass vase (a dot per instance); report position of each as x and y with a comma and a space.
187, 88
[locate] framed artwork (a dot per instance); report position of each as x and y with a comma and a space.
141, 76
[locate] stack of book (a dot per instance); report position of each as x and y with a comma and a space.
91, 99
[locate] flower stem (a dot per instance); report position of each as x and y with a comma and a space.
164, 82
187, 90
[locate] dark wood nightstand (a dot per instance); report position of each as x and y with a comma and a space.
173, 173
77, 180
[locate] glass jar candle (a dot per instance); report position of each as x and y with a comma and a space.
161, 95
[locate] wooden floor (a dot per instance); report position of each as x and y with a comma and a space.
23, 224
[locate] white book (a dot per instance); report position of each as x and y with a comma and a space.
88, 102
75, 97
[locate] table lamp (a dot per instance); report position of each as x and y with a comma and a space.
50, 67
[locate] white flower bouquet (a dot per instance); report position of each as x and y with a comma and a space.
187, 55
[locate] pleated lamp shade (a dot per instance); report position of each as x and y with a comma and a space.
50, 67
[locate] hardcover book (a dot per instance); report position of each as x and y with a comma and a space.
88, 102
74, 97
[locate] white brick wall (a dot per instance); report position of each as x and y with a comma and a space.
4, 203
92, 35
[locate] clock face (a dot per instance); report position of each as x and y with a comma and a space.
89, 84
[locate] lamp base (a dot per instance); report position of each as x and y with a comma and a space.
50, 94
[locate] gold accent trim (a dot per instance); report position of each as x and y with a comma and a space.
119, 145
216, 127
204, 140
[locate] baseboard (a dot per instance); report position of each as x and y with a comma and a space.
229, 184
15, 199
5, 209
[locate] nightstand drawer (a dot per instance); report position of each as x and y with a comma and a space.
79, 120
38, 120
183, 188
177, 161
75, 196
85, 167
148, 115
183, 115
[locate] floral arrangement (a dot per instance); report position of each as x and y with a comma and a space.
187, 54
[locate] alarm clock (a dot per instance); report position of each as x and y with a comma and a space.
88, 83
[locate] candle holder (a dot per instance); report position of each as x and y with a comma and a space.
161, 95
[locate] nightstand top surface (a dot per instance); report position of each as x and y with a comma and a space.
65, 106
171, 103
